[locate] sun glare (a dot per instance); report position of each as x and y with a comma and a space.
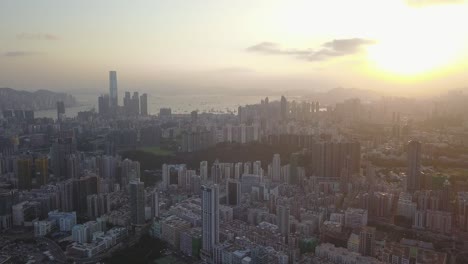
419, 44
415, 56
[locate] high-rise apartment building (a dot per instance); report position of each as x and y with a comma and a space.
276, 168
24, 173
284, 108
103, 104
60, 110
282, 214
257, 167
210, 219
233, 192
7, 200
60, 150
293, 168
165, 176
204, 170
413, 177
154, 198
137, 202
135, 104
367, 241
41, 165
330, 158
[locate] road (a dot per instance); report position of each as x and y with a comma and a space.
54, 249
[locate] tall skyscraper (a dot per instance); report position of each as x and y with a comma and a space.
282, 215
413, 177
210, 219
113, 92
137, 202
144, 104
276, 168
132, 103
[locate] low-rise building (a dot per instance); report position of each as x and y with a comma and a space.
328, 253
190, 242
42, 228
171, 228
64, 220
355, 217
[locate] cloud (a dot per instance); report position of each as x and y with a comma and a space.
348, 45
37, 36
235, 70
334, 48
423, 3
18, 53
275, 49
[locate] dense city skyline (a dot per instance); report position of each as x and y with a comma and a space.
395, 47
283, 181
234, 132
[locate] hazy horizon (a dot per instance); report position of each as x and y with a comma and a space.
402, 48
246, 131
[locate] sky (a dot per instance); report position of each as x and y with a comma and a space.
405, 47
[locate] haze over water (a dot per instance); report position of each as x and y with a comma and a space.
179, 104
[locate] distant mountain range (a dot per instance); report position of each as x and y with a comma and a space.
341, 94
38, 100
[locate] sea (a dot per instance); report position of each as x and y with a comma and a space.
180, 104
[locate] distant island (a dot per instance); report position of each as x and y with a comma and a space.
38, 100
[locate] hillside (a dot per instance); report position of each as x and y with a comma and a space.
38, 100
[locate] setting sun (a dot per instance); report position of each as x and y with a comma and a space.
402, 44
247, 131
415, 57
418, 42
